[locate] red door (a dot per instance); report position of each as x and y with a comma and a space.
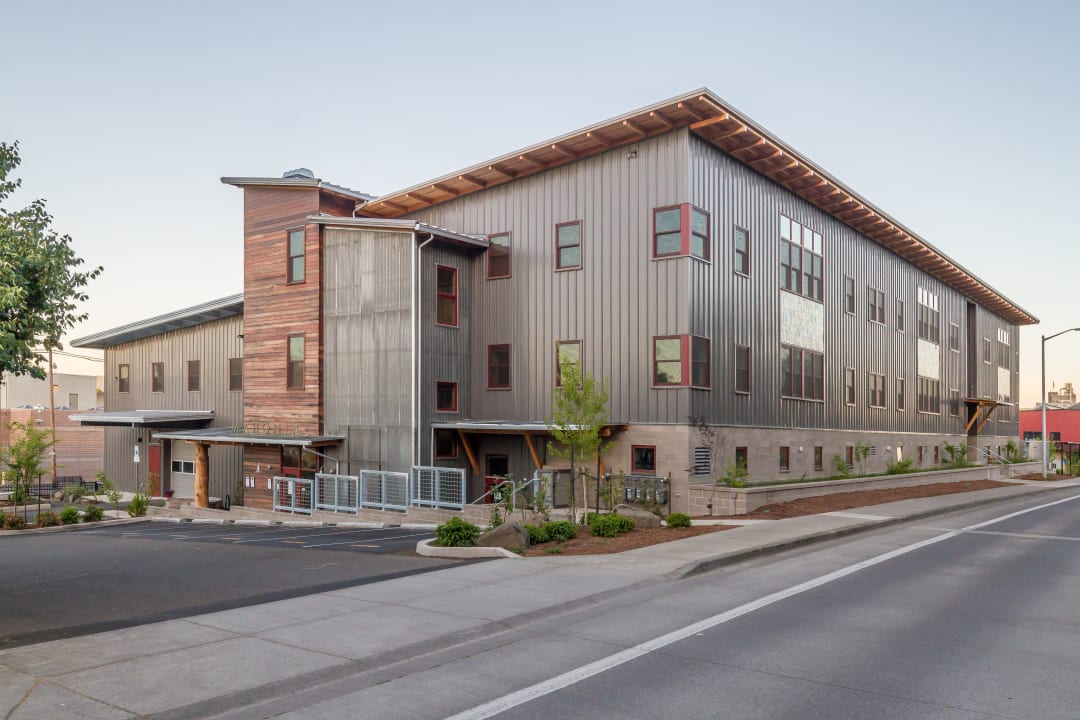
154, 466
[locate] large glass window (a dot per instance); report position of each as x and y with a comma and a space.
446, 445
681, 360
667, 361
498, 256
800, 259
123, 379
295, 374
802, 374
446, 303
877, 390
929, 392
157, 377
296, 256
875, 309
568, 245
567, 355
498, 367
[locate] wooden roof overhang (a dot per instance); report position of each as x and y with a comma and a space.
978, 405
718, 123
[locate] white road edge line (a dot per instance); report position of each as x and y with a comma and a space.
520, 697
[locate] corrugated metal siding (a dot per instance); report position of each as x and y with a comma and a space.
368, 344
211, 343
615, 303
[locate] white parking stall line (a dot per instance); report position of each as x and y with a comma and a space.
350, 542
301, 536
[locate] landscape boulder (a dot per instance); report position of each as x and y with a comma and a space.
509, 535
643, 519
58, 495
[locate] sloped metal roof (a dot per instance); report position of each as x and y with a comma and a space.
188, 317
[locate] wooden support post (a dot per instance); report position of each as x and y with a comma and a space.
202, 475
532, 451
469, 452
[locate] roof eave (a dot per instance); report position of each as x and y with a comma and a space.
211, 311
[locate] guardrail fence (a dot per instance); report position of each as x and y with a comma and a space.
432, 487
293, 495
437, 487
382, 490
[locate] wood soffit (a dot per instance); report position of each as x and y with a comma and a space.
709, 118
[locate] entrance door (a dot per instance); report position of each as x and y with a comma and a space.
497, 465
153, 470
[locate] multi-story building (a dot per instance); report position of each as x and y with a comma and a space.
711, 273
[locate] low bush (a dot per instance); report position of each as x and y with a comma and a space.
553, 550
69, 515
456, 532
137, 506
47, 519
678, 520
900, 467
537, 534
560, 530
610, 525
14, 522
93, 513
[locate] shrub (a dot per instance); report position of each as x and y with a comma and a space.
93, 513
899, 467
70, 515
678, 520
537, 535
842, 468
456, 532
137, 506
47, 519
14, 522
610, 525
560, 530
553, 550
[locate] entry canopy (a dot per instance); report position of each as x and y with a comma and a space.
136, 418
229, 436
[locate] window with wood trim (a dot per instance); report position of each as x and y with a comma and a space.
742, 369
929, 396
446, 296
785, 459
800, 259
742, 251
446, 444
643, 459
849, 386
157, 377
802, 374
875, 305
296, 256
294, 377
680, 230
446, 398
194, 375
876, 387
568, 245
498, 367
819, 458
681, 361
498, 256
236, 374
849, 295
123, 378
899, 315
567, 355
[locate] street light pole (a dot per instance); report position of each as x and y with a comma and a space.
1045, 446
52, 416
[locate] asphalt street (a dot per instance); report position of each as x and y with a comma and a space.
56, 585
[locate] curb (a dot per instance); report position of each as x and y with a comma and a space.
418, 526
73, 528
704, 565
208, 521
252, 523
425, 548
303, 524
166, 519
362, 525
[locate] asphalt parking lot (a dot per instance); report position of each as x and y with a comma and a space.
65, 584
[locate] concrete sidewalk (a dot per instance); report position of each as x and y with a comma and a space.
206, 664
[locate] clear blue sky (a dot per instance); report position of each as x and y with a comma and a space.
129, 112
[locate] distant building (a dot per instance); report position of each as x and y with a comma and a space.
1062, 423
75, 392
1064, 397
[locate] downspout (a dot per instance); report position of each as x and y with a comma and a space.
417, 365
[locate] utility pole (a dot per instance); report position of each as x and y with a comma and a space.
52, 414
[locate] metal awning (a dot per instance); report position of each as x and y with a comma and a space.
228, 436
135, 418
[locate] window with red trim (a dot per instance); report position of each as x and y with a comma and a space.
681, 361
446, 289
568, 245
294, 377
643, 458
446, 397
680, 230
446, 445
498, 256
498, 367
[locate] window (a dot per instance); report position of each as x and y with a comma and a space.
157, 377
194, 370
296, 256
498, 367
742, 369
445, 444
1004, 352
921, 454
567, 355
849, 456
877, 390
800, 259
183, 466
446, 292
785, 459
295, 375
937, 454
802, 374
929, 400
742, 251
680, 230
498, 256
236, 374
702, 461
446, 397
741, 460
123, 379
643, 458
819, 458
900, 402
568, 246
875, 310
899, 315
954, 402
681, 360
849, 386
987, 351
929, 317
849, 295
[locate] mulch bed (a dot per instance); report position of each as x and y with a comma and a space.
1049, 476
586, 544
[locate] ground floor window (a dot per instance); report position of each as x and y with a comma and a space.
741, 460
445, 444
643, 459
297, 463
785, 459
819, 458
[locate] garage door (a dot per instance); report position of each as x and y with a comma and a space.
182, 470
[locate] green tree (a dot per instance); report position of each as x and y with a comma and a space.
578, 413
40, 280
24, 457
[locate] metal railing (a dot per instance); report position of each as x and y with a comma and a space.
436, 487
433, 487
293, 495
382, 490
337, 493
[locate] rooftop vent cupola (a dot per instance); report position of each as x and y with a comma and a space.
299, 173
